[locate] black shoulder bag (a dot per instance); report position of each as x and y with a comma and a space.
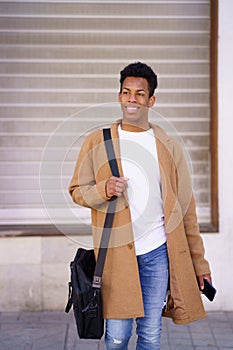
86, 274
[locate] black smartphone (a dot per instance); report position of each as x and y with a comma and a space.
209, 291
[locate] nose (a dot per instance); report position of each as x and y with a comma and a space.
132, 98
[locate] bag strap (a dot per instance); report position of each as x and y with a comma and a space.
110, 152
97, 278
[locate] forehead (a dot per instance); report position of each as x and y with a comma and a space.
135, 83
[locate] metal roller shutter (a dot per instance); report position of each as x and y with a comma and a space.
59, 57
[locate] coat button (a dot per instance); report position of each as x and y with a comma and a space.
130, 245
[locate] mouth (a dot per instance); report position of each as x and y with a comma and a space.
131, 109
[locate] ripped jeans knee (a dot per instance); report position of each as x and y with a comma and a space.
116, 344
118, 334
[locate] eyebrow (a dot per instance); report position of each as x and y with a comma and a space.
128, 89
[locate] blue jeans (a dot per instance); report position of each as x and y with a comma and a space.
153, 271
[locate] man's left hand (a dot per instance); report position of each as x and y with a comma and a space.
201, 280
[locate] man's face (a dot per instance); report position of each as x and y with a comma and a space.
135, 101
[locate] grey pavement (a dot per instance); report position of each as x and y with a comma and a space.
57, 331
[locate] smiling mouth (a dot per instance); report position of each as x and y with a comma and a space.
131, 109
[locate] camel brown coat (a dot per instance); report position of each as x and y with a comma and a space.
121, 290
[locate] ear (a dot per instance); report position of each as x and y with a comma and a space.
152, 100
119, 97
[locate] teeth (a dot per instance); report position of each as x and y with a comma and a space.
132, 108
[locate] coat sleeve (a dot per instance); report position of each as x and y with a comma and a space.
83, 188
188, 208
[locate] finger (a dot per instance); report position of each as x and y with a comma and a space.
125, 179
120, 186
118, 194
201, 282
208, 278
122, 181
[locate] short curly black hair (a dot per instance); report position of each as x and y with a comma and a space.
141, 70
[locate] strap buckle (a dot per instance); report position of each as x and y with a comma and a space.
97, 281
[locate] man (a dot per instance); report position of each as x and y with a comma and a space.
156, 253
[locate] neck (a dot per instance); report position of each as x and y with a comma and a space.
134, 128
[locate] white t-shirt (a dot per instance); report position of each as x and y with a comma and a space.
140, 164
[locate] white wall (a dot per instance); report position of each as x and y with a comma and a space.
219, 246
34, 271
